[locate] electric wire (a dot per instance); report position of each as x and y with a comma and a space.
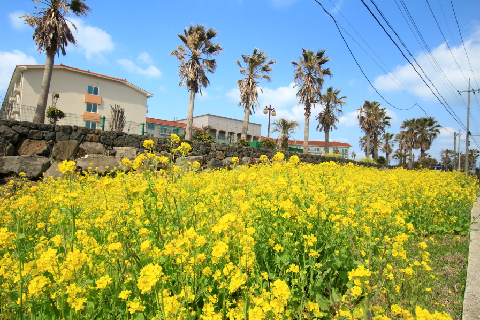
463, 44
428, 53
348, 47
446, 106
446, 42
389, 74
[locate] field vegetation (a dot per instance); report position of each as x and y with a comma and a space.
276, 240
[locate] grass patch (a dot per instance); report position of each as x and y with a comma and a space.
448, 260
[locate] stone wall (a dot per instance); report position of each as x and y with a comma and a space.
36, 148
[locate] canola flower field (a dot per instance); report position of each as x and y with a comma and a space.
276, 240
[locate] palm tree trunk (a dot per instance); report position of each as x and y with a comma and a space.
327, 139
410, 160
191, 104
375, 146
307, 128
245, 123
386, 158
43, 98
368, 146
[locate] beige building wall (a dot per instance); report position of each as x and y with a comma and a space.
226, 126
72, 85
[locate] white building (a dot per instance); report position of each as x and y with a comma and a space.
226, 130
85, 97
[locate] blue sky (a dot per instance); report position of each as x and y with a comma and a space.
133, 41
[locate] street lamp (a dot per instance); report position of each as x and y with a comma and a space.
270, 111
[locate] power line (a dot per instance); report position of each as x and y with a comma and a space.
428, 52
348, 47
446, 42
451, 112
463, 43
389, 74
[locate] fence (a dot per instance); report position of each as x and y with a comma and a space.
26, 113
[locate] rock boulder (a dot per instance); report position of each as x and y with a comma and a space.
32, 166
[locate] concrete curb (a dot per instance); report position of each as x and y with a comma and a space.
471, 301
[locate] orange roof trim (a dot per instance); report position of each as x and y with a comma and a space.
169, 123
148, 94
314, 143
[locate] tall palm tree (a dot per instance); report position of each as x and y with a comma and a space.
52, 34
428, 130
410, 134
327, 118
309, 74
286, 128
256, 67
401, 139
387, 148
373, 121
196, 58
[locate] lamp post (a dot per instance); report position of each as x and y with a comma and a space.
270, 111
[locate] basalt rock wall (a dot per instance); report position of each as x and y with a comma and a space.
27, 147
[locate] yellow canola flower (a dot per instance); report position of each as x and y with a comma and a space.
149, 276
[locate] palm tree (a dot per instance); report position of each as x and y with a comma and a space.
52, 34
373, 121
329, 116
256, 66
387, 148
428, 130
196, 58
410, 135
362, 142
309, 77
400, 156
286, 128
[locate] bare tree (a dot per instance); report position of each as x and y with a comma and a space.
117, 122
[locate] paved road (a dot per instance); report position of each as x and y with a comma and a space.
471, 302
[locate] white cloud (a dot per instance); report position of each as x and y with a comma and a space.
278, 98
350, 119
446, 132
233, 95
392, 115
409, 79
337, 7
145, 58
282, 99
93, 40
342, 140
203, 96
8, 61
150, 72
15, 21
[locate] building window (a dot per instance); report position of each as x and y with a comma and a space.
150, 126
150, 135
316, 149
91, 125
344, 150
163, 130
92, 90
92, 107
335, 148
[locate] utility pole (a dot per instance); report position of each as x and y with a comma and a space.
454, 150
459, 137
467, 140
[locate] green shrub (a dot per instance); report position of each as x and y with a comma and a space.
202, 136
381, 160
244, 143
268, 144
